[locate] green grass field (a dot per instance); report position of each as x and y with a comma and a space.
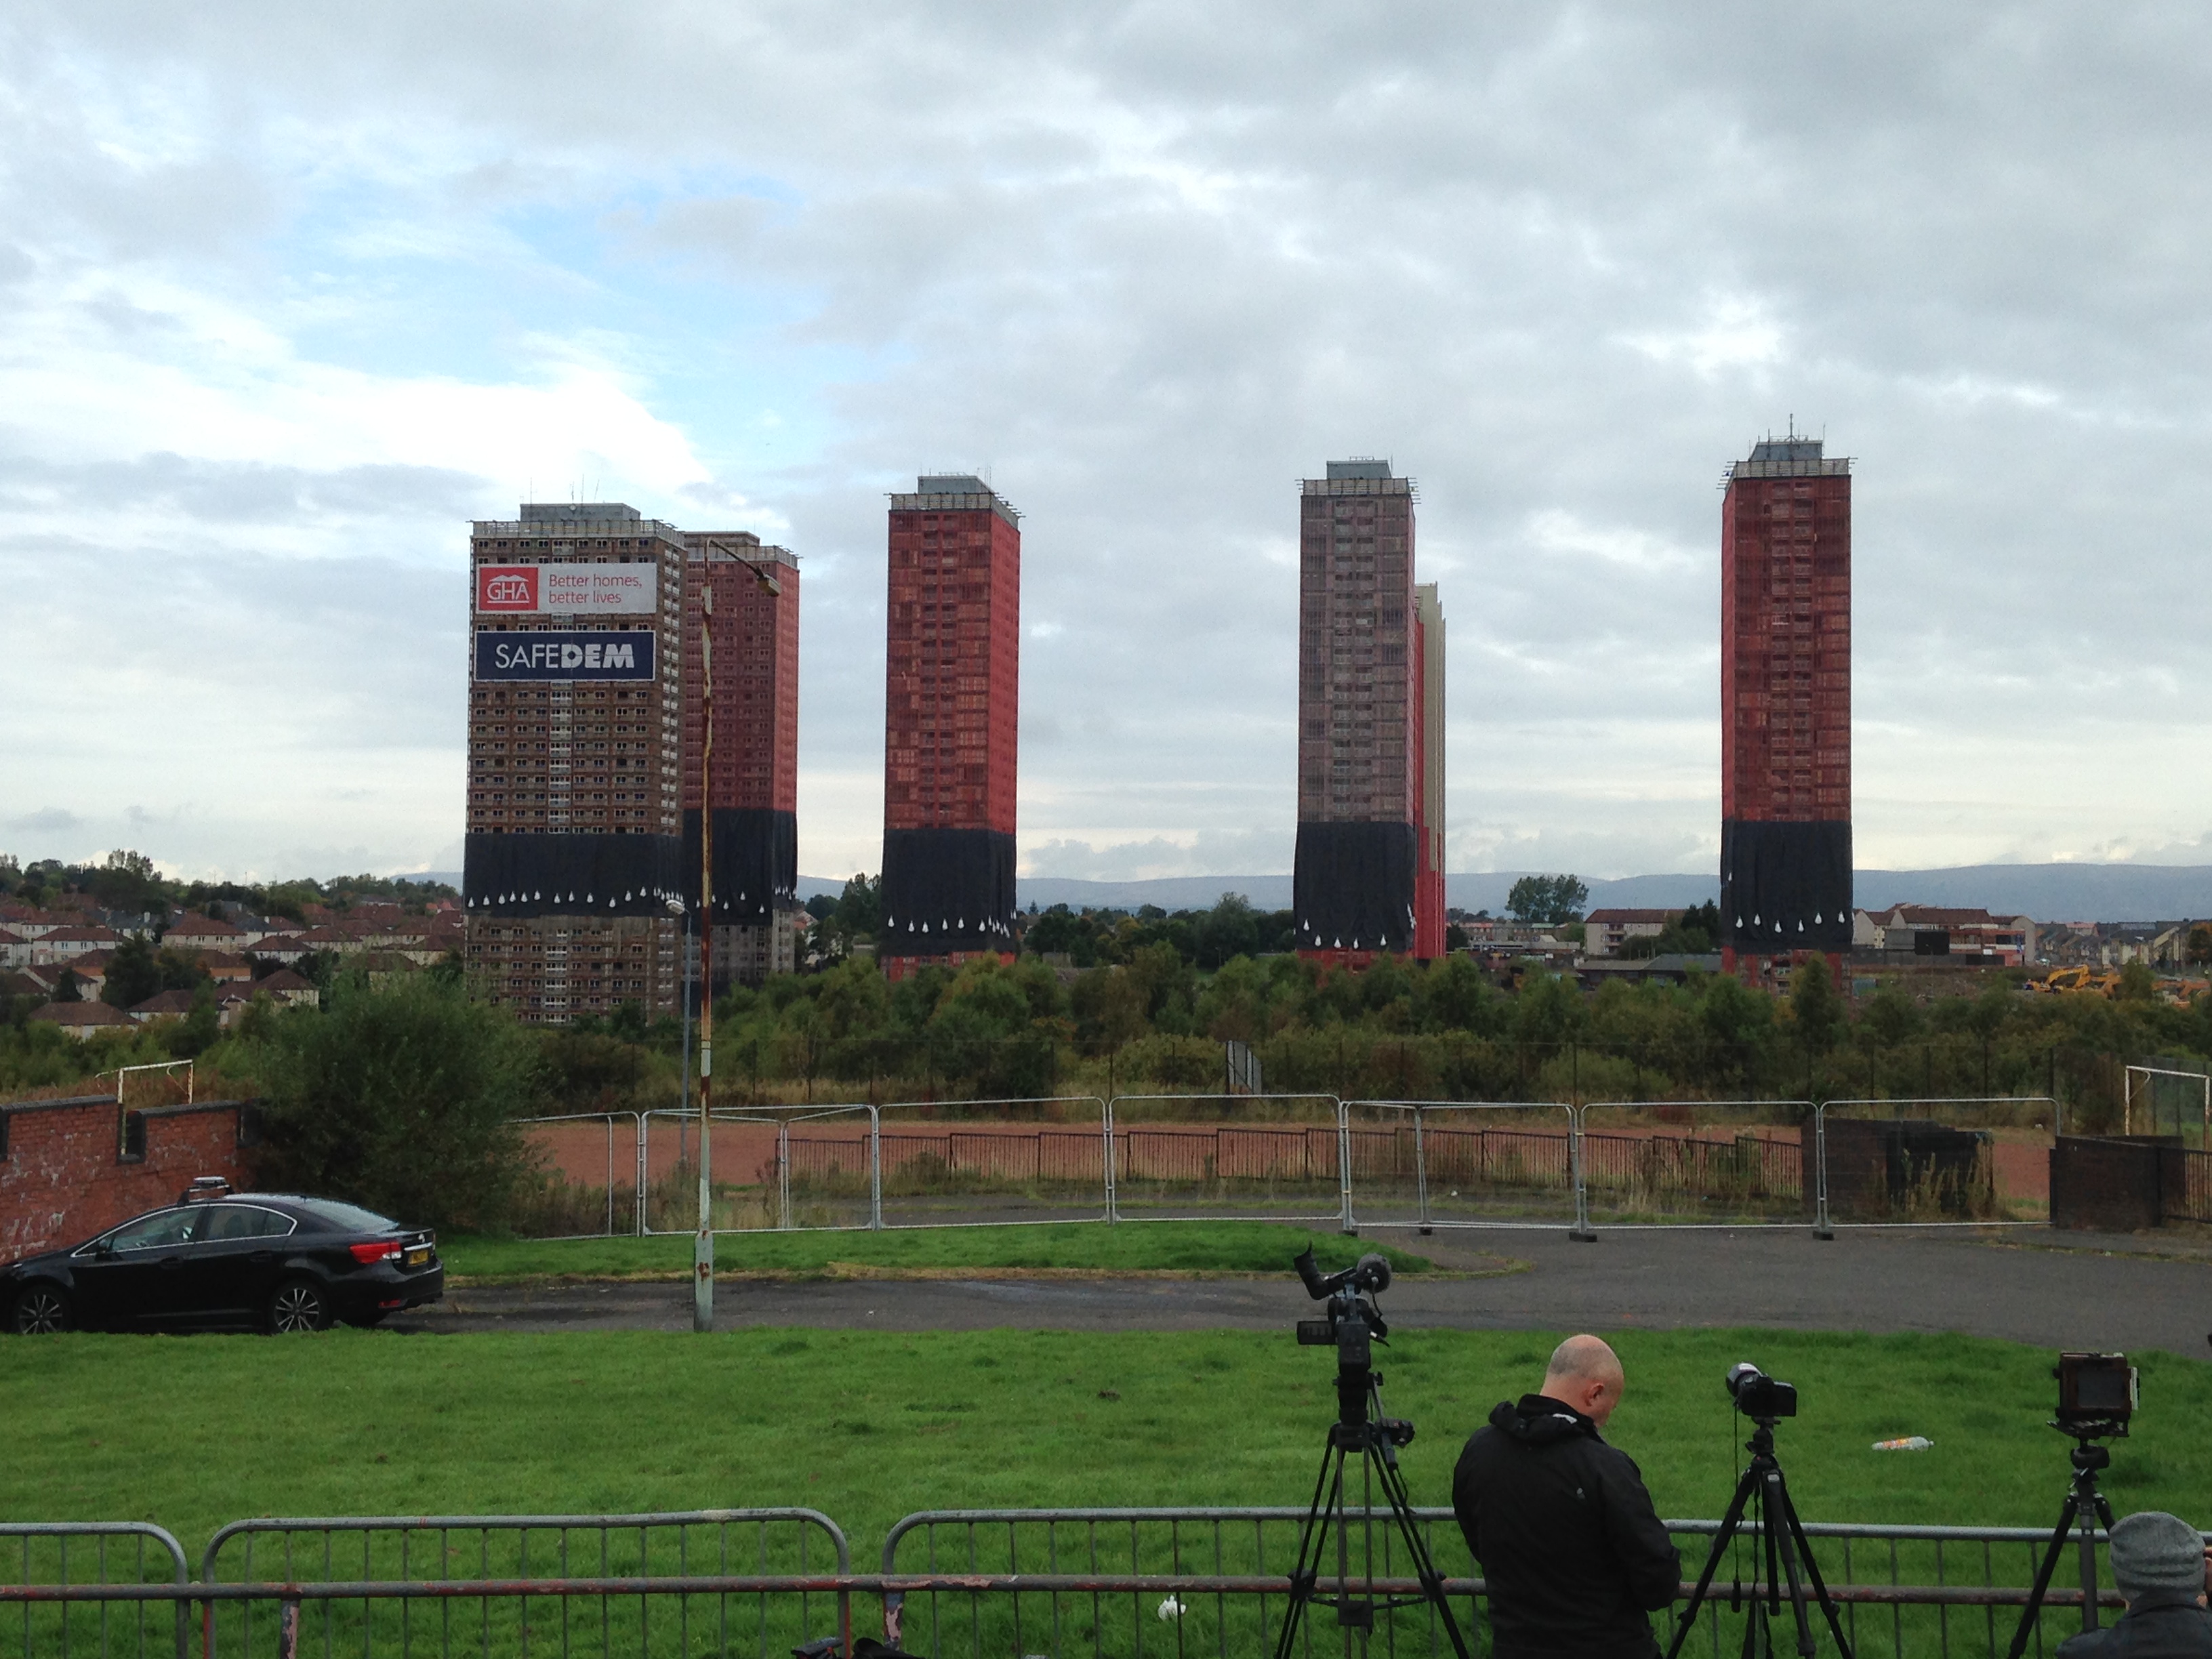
1233, 1247
193, 1431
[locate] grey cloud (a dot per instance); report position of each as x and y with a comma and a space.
1155, 265
46, 821
236, 492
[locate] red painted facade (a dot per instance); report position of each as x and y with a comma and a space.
1428, 751
1785, 647
756, 690
951, 719
66, 1177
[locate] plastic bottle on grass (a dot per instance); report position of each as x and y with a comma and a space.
1910, 1443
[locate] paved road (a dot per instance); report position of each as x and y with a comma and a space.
2083, 1292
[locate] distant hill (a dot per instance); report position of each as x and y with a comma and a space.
2049, 892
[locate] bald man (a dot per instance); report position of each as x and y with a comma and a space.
1573, 1552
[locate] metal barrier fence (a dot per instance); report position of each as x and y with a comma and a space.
1226, 1569
645, 1571
1421, 1164
987, 1581
39, 1556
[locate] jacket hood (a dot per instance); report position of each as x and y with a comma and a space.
1541, 1420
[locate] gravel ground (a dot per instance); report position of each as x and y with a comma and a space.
2074, 1290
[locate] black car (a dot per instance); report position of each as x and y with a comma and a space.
216, 1258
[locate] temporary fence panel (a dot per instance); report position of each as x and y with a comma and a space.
774, 1168
975, 1583
483, 1585
591, 1175
1257, 1162
1716, 1162
1904, 1592
1434, 1163
59, 1556
1974, 1162
998, 1162
789, 1168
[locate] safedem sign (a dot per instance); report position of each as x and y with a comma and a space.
545, 590
575, 654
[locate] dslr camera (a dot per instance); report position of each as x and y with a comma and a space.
1759, 1395
2097, 1394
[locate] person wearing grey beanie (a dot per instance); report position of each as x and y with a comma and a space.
2160, 1565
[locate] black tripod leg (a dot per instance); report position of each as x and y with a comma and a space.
1425, 1566
2104, 1511
1813, 1572
1729, 1522
2049, 1565
1782, 1546
1313, 1540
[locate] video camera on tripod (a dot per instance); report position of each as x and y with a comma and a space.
1351, 1324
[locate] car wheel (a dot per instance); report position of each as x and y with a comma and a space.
42, 1310
299, 1305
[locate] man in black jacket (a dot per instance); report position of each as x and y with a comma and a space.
1573, 1552
2159, 1564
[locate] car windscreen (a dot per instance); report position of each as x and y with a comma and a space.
332, 1216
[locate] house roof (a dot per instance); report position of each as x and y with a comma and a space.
192, 925
1661, 917
165, 1002
81, 1013
91, 934
283, 980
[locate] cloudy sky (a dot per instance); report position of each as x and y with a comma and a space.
289, 293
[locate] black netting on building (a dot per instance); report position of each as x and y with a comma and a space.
755, 862
558, 874
1786, 887
946, 891
1352, 886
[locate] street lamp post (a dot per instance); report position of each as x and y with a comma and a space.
702, 1245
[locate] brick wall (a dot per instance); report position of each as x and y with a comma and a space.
64, 1177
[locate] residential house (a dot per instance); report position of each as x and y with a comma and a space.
1944, 931
60, 944
190, 932
224, 968
15, 949
82, 1019
163, 1005
1604, 932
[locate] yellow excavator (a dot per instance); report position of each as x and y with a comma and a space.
2101, 981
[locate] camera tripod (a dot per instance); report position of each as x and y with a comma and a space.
1764, 1494
2087, 1505
1360, 1429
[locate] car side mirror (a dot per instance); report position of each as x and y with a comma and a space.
103, 1248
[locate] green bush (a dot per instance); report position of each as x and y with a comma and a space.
397, 1097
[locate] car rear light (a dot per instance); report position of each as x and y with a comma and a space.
382, 1250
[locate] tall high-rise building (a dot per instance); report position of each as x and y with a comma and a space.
1429, 791
1785, 707
1360, 692
753, 784
572, 857
952, 723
